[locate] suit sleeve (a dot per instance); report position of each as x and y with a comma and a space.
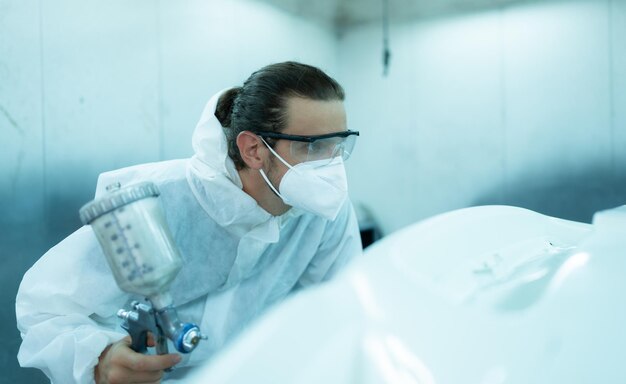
65, 310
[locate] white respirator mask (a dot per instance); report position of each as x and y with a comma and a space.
319, 186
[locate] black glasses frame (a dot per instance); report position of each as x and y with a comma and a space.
306, 139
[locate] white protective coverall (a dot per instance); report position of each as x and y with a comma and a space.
238, 260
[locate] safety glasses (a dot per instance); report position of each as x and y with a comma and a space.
320, 147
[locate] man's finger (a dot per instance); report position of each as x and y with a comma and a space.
138, 362
127, 340
151, 342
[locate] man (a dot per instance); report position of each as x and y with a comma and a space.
258, 212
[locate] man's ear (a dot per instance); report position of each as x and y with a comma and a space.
252, 149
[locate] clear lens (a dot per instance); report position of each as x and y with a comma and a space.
323, 149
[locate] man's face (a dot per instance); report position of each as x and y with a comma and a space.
305, 117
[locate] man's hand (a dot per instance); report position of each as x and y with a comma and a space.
118, 364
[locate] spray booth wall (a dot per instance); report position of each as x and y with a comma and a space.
523, 105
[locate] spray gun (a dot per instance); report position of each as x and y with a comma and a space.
131, 229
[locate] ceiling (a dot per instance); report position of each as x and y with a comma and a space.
343, 13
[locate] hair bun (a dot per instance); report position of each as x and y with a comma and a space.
224, 109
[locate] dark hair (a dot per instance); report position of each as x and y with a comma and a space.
260, 104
